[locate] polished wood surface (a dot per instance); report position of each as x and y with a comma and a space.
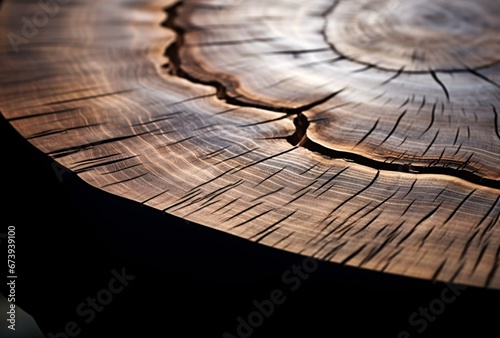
363, 133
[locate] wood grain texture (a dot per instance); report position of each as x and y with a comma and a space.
375, 78
267, 122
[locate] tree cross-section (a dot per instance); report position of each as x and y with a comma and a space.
359, 132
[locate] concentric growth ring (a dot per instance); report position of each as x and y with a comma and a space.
416, 35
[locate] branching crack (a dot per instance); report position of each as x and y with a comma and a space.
299, 137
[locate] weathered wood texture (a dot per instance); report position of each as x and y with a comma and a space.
360, 132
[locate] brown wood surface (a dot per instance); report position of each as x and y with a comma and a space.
363, 133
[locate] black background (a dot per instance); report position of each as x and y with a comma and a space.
189, 280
